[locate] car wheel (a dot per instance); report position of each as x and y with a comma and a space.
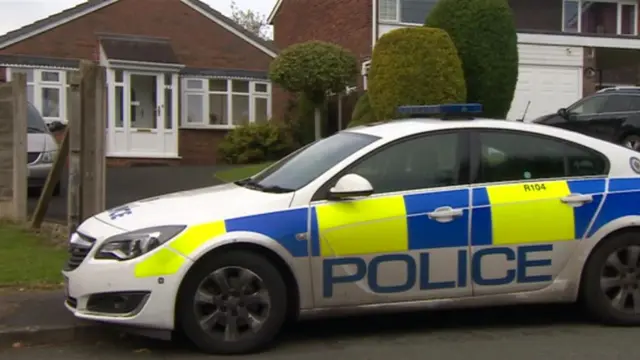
632, 142
611, 281
232, 303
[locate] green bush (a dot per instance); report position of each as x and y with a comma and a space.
314, 68
414, 66
256, 142
484, 33
362, 112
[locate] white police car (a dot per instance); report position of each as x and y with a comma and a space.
412, 213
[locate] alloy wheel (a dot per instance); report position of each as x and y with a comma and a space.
620, 279
232, 303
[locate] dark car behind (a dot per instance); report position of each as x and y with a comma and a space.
610, 114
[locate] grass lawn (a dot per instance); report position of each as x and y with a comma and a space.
28, 259
241, 172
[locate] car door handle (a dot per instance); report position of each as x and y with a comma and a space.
577, 199
444, 214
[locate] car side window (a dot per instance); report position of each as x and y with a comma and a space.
511, 156
635, 103
424, 162
619, 103
592, 105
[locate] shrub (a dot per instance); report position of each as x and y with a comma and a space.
484, 33
314, 69
417, 66
362, 112
256, 142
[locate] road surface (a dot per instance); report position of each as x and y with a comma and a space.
523, 333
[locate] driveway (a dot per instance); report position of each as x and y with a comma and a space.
125, 185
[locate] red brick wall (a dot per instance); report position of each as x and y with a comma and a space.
200, 145
347, 23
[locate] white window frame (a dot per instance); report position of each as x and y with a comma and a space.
38, 85
204, 92
619, 3
397, 19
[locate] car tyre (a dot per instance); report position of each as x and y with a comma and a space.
631, 142
611, 281
236, 287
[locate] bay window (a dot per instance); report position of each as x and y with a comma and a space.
606, 17
405, 11
47, 91
224, 103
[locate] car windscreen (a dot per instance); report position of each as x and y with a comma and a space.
305, 165
35, 123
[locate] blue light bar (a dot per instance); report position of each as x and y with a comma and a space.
443, 109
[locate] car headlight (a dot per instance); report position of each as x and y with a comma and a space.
130, 245
48, 157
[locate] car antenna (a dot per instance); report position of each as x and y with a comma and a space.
525, 111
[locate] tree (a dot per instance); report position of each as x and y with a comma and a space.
484, 33
314, 69
414, 66
250, 20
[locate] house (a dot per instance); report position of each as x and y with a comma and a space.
567, 48
179, 74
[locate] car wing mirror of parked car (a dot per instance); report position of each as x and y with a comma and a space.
55, 126
563, 113
350, 186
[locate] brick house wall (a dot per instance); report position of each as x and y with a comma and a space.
347, 23
197, 41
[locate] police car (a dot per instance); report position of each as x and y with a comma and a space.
415, 213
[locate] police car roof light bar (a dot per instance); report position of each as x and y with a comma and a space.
444, 110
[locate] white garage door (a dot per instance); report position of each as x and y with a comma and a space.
549, 78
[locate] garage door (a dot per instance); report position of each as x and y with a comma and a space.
549, 78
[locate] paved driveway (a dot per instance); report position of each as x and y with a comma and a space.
129, 184
526, 333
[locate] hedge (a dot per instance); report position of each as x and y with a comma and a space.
414, 66
484, 33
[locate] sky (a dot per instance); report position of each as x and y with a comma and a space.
17, 13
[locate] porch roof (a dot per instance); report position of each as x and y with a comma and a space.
137, 48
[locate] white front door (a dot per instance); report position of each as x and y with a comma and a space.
143, 121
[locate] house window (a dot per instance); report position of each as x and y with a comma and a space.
47, 91
405, 11
606, 17
223, 103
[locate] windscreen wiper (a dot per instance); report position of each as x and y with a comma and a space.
250, 184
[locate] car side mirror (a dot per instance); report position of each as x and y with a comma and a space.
349, 186
55, 126
563, 113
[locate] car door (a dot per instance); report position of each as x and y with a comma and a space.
582, 114
533, 198
409, 239
608, 123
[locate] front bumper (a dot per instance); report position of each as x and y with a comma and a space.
37, 174
109, 291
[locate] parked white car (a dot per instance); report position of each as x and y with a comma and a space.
42, 149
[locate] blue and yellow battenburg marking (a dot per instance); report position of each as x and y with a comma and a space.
501, 215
